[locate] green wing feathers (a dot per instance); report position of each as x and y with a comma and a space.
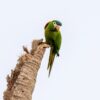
51, 60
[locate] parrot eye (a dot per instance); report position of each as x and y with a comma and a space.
54, 23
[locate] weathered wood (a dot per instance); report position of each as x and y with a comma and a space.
22, 81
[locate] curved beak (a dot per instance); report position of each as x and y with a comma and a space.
57, 27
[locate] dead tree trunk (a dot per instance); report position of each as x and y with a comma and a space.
22, 80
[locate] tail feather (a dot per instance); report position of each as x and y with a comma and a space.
51, 60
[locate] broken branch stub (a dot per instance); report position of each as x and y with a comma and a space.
21, 82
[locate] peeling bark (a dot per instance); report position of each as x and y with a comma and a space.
21, 82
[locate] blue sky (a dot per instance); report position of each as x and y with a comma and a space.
76, 73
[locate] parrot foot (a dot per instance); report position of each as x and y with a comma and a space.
46, 45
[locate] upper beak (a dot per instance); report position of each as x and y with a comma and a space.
57, 27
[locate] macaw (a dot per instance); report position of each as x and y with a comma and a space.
54, 39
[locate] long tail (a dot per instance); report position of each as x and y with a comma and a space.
51, 60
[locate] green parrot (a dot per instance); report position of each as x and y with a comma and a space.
53, 38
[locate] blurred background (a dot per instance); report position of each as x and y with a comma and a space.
76, 73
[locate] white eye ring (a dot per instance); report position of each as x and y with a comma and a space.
54, 23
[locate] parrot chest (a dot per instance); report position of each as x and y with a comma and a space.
51, 35
54, 39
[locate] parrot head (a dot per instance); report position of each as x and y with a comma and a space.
53, 25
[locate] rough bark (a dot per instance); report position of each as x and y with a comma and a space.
22, 80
